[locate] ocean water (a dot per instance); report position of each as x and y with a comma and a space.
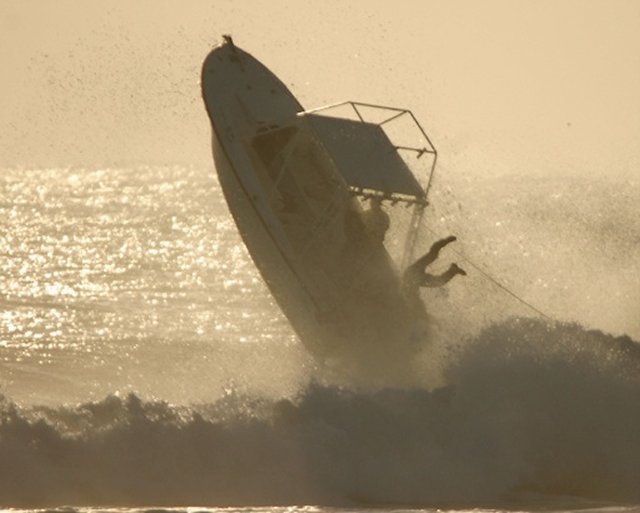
144, 365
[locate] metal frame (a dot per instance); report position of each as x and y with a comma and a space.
419, 203
397, 113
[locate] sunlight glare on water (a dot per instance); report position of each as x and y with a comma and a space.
111, 280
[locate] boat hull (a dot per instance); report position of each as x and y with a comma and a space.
278, 273
332, 314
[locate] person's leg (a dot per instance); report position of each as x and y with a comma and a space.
439, 244
438, 280
422, 262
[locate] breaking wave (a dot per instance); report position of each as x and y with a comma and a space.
532, 408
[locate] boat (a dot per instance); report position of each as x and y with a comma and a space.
329, 203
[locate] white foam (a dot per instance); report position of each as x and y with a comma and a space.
532, 408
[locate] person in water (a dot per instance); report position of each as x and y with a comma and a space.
415, 276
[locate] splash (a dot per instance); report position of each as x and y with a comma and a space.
531, 408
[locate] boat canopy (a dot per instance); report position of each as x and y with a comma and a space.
364, 156
359, 145
371, 150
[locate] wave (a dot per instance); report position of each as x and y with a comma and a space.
531, 408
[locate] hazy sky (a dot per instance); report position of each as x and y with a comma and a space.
501, 86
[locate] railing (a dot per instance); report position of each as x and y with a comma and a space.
396, 114
359, 108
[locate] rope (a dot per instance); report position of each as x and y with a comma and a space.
496, 282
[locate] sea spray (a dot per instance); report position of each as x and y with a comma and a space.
530, 407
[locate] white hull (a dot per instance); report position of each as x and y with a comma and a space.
334, 306
278, 273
